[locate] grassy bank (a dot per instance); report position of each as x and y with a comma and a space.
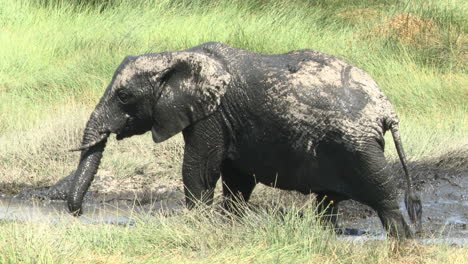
57, 57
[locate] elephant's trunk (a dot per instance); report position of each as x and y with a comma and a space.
92, 143
89, 163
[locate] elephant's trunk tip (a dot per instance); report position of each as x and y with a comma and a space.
76, 213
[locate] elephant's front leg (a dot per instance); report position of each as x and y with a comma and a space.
204, 152
237, 186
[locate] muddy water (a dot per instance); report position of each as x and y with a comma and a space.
444, 193
450, 230
54, 211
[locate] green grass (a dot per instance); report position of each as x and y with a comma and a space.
57, 57
205, 236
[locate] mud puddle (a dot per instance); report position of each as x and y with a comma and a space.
116, 212
39, 211
123, 213
443, 190
452, 241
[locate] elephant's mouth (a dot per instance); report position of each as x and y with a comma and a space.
133, 127
125, 130
122, 135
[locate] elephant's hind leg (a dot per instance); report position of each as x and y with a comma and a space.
374, 184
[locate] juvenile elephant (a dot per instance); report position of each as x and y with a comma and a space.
303, 121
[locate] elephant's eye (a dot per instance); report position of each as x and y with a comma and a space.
124, 97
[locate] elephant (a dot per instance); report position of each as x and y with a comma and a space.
302, 120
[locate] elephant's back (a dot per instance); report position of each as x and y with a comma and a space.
307, 90
323, 93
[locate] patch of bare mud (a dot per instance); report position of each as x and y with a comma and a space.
107, 188
136, 187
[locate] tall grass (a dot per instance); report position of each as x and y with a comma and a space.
205, 236
61, 52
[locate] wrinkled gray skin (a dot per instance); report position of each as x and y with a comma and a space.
303, 121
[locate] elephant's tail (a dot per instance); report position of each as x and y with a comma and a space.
412, 200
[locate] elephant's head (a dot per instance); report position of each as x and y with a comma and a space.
163, 92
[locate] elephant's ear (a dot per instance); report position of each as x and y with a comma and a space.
191, 88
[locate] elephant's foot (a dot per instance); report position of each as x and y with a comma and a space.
395, 224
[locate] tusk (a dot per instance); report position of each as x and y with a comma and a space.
92, 143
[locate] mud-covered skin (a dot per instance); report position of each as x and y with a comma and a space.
302, 121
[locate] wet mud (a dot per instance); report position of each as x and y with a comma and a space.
441, 182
